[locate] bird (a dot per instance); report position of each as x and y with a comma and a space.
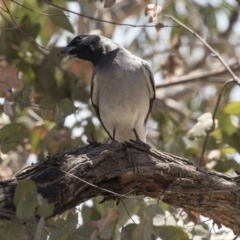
122, 86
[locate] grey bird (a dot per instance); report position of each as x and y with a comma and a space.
122, 86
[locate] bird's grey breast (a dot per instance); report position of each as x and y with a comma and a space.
121, 79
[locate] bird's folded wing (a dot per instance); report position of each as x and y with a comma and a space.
95, 97
151, 86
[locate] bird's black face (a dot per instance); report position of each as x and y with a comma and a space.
85, 47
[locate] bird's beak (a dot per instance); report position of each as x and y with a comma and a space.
66, 50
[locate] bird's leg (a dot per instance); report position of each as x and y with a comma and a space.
93, 142
114, 133
139, 141
113, 136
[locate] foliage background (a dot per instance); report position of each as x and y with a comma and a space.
45, 106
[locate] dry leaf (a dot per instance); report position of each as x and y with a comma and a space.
159, 25
203, 126
110, 216
214, 155
176, 42
174, 65
5, 172
193, 216
61, 139
9, 96
151, 11
9, 77
109, 3
213, 158
7, 108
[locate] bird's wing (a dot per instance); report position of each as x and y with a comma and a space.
151, 87
95, 97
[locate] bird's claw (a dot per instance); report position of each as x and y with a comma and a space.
93, 143
141, 143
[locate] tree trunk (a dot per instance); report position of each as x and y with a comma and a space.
118, 171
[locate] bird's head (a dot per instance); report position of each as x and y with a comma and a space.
89, 47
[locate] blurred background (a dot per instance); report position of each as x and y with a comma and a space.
45, 98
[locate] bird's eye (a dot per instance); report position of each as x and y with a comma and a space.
80, 38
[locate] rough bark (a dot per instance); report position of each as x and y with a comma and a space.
129, 170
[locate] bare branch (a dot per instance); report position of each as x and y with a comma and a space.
213, 117
197, 76
127, 170
214, 53
101, 20
7, 12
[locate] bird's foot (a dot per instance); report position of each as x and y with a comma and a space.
113, 142
93, 142
141, 143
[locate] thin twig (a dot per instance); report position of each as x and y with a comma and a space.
86, 182
20, 29
166, 190
7, 12
11, 28
210, 232
45, 14
127, 211
213, 118
195, 76
101, 20
236, 237
214, 53
218, 56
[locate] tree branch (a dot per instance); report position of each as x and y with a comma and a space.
197, 76
214, 53
117, 171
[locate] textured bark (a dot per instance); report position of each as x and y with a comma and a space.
129, 170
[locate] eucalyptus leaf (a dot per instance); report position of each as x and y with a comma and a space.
11, 135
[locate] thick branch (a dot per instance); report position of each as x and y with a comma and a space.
128, 170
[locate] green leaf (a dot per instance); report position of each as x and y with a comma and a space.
226, 125
61, 223
45, 74
107, 224
200, 231
233, 140
39, 232
203, 126
26, 186
126, 233
26, 207
89, 214
15, 230
65, 228
232, 108
84, 232
170, 232
48, 108
229, 150
72, 220
152, 210
65, 108
25, 199
143, 230
61, 20
11, 135
46, 209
